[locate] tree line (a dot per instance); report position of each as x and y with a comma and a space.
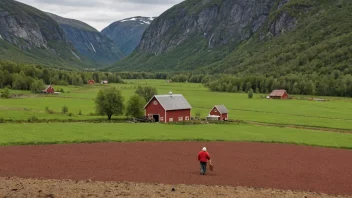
334, 84
33, 77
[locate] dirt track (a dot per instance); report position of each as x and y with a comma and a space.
18, 188
278, 166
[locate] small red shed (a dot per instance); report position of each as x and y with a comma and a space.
48, 90
91, 82
168, 108
279, 94
221, 111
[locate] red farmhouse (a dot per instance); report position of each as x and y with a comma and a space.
279, 94
221, 111
168, 108
48, 89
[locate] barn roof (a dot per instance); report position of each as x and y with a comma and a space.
280, 92
221, 108
46, 87
172, 102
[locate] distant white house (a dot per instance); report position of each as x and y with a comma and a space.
104, 82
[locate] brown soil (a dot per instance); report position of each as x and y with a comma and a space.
278, 166
17, 188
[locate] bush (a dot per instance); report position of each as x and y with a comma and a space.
5, 93
250, 94
70, 114
33, 119
64, 109
2, 120
49, 111
80, 112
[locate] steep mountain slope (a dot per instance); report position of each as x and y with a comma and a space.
233, 36
29, 35
89, 42
127, 33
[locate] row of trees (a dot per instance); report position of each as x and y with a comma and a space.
295, 84
110, 101
34, 77
335, 84
30, 77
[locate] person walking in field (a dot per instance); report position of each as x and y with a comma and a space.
203, 157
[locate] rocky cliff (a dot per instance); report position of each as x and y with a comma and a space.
219, 22
127, 33
196, 33
89, 42
29, 35
25, 27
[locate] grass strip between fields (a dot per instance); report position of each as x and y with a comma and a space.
58, 133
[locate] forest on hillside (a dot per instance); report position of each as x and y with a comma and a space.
20, 76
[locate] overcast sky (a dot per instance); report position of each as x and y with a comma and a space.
101, 13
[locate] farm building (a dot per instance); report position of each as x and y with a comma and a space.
91, 82
104, 82
278, 94
48, 90
168, 108
220, 111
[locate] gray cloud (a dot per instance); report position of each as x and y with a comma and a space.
101, 13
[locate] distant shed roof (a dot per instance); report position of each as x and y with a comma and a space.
280, 92
221, 108
172, 102
46, 87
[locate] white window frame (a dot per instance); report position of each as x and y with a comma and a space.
171, 119
187, 118
162, 119
180, 119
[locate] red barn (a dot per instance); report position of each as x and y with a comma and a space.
279, 94
221, 111
48, 90
168, 108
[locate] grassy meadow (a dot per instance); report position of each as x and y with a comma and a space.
333, 114
54, 133
336, 113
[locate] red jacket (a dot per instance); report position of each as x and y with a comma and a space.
203, 156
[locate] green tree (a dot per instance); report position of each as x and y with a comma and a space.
109, 102
135, 106
250, 93
5, 93
146, 92
37, 86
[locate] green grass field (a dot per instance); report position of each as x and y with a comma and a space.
22, 134
336, 113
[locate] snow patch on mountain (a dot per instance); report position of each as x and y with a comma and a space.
143, 20
76, 55
93, 47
